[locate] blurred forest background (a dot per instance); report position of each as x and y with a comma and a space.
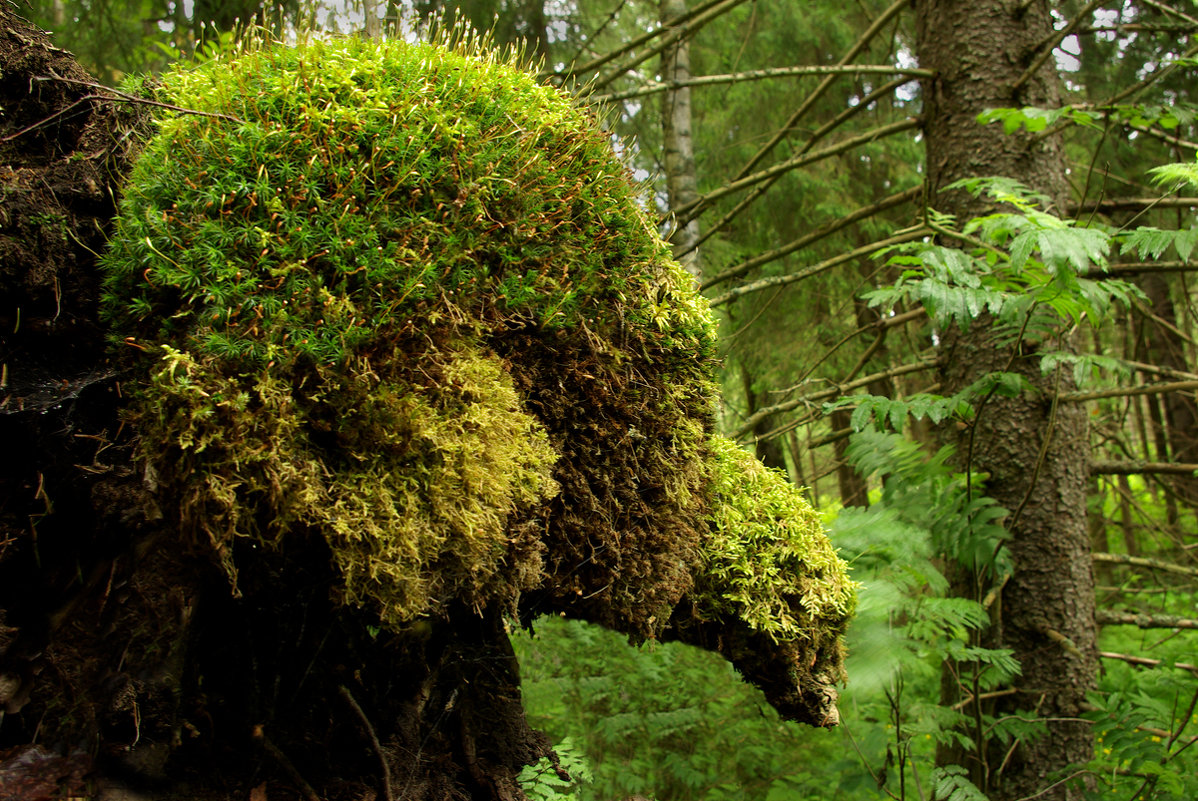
950, 246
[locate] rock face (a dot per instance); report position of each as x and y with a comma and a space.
393, 355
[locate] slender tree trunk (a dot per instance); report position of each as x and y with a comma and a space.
682, 185
1034, 452
1174, 416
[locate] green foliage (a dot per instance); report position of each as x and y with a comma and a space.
925, 521
1026, 269
666, 720
1145, 719
1033, 119
1176, 174
546, 781
881, 412
951, 784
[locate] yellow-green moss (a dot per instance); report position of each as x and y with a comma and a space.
766, 558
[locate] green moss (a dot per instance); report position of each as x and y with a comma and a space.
403, 299
767, 560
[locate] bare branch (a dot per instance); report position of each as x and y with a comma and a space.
606, 58
756, 75
819, 91
1119, 97
1140, 561
829, 126
1141, 468
1122, 392
1107, 618
828, 394
1116, 203
1137, 267
1162, 371
1146, 662
1168, 11
1136, 27
825, 230
816, 269
1053, 41
800, 161
675, 34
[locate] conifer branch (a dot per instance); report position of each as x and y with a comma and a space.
675, 33
1171, 12
1141, 468
814, 236
1140, 561
1176, 141
658, 87
628, 47
816, 269
1108, 618
1138, 267
799, 161
818, 92
1162, 371
1119, 97
1116, 203
1045, 49
831, 125
1138, 27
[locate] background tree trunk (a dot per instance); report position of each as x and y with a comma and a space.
1032, 450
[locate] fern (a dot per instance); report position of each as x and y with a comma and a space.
951, 784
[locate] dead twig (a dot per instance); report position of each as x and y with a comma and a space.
374, 740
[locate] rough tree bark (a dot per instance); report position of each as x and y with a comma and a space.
1033, 452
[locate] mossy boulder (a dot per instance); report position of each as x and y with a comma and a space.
405, 301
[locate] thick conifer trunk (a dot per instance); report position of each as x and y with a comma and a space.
1033, 452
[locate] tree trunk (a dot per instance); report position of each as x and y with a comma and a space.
1174, 416
682, 184
1033, 452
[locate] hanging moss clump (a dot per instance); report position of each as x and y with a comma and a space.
404, 300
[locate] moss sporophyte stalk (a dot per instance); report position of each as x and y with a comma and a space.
404, 298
